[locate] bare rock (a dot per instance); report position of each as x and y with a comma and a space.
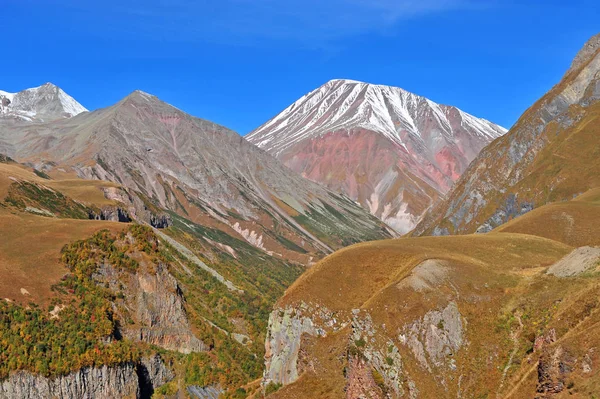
579, 261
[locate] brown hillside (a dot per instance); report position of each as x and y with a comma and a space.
471, 316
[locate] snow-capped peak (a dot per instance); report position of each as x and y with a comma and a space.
43, 103
346, 105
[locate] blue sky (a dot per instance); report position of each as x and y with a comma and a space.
240, 62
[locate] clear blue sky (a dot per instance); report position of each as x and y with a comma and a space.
240, 62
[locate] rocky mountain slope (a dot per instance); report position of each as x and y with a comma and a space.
551, 154
197, 170
394, 152
44, 103
502, 314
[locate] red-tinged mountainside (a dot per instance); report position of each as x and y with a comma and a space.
551, 154
392, 151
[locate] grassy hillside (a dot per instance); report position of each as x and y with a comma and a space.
504, 327
574, 222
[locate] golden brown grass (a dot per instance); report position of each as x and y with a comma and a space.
30, 245
496, 279
85, 191
350, 277
574, 222
30, 251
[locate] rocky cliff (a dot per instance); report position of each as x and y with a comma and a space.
124, 381
149, 301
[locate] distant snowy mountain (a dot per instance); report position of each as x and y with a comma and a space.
393, 151
43, 103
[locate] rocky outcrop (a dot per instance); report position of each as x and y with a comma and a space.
111, 213
361, 383
124, 381
136, 209
282, 346
435, 337
204, 392
286, 331
161, 221
581, 260
383, 357
511, 209
153, 305
553, 366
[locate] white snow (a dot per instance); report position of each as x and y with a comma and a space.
69, 104
343, 104
8, 95
40, 102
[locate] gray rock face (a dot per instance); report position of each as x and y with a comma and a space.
588, 50
124, 381
511, 209
112, 213
155, 305
204, 392
136, 209
436, 337
284, 336
386, 359
581, 260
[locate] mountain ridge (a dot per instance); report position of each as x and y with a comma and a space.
547, 156
141, 138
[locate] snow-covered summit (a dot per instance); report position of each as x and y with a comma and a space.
43, 103
348, 104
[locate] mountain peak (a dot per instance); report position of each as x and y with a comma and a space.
346, 81
588, 50
342, 104
139, 96
42, 103
352, 136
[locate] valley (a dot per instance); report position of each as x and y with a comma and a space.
364, 243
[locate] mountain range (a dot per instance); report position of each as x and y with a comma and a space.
148, 253
229, 229
394, 152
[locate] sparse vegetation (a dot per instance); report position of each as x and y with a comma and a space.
272, 388
41, 174
24, 194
